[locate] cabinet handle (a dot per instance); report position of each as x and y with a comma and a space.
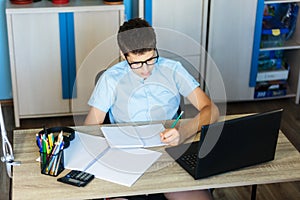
68, 57
148, 11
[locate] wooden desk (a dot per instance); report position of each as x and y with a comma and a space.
164, 176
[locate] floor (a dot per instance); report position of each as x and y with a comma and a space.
290, 126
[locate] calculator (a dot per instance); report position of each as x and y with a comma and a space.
77, 178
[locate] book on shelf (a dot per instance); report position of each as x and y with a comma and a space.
269, 93
270, 89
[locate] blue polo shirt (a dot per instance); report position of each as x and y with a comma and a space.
130, 98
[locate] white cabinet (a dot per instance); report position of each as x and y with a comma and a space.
35, 64
96, 49
210, 37
180, 27
39, 50
227, 31
230, 43
217, 39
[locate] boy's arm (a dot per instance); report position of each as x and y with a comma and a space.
94, 117
208, 113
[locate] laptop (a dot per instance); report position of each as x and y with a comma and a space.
230, 145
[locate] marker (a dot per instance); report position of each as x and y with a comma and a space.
50, 137
38, 140
175, 122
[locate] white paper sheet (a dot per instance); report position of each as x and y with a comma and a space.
82, 150
93, 155
133, 136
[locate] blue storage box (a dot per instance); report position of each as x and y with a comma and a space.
279, 24
273, 33
279, 73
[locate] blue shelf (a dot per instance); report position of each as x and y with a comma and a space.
256, 43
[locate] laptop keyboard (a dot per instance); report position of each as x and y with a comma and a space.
190, 160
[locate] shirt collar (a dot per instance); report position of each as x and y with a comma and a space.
137, 77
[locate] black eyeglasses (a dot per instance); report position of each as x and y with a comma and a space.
139, 64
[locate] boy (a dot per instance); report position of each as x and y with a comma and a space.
146, 87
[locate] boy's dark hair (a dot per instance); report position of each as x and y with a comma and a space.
136, 36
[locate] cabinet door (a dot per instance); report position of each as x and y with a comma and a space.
179, 31
230, 42
96, 49
37, 64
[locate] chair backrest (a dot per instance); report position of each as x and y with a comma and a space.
99, 74
107, 120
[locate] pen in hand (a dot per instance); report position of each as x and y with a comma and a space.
172, 126
175, 122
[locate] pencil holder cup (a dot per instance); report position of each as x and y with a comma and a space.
52, 142
53, 164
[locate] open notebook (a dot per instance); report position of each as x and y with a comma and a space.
92, 154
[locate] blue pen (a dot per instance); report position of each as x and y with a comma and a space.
175, 122
38, 140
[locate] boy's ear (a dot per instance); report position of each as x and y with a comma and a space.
122, 55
